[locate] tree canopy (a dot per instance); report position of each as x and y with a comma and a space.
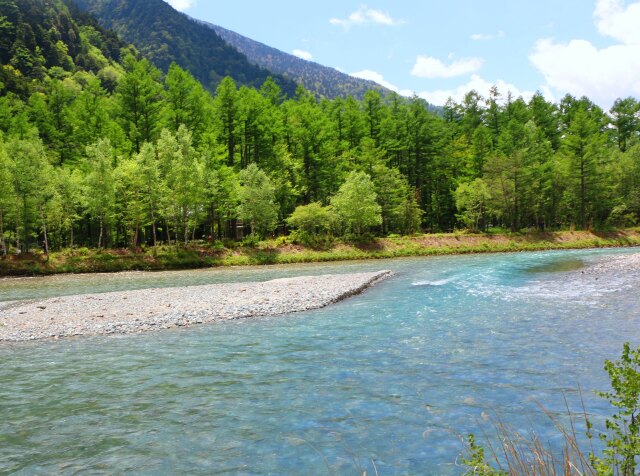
98, 147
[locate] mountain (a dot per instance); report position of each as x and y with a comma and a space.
41, 39
164, 35
321, 80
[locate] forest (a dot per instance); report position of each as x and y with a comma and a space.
100, 148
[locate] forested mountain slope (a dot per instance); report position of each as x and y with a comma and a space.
321, 80
42, 40
164, 35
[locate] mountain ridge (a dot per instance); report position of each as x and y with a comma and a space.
164, 35
324, 81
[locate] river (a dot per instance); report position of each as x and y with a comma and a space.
392, 378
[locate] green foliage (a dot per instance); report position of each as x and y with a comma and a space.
623, 428
140, 96
257, 201
355, 204
166, 36
100, 186
125, 156
311, 219
476, 462
312, 224
471, 200
399, 208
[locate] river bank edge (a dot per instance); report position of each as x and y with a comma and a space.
153, 309
280, 251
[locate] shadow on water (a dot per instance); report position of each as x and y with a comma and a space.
558, 266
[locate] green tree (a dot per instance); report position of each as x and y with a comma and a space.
188, 102
355, 204
154, 187
472, 200
31, 184
307, 135
399, 209
373, 114
69, 202
183, 171
92, 113
257, 200
226, 116
131, 197
140, 96
222, 198
623, 437
583, 149
312, 219
625, 120
6, 194
626, 179
100, 186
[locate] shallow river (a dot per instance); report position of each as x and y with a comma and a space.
393, 377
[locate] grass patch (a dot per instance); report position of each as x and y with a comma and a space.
283, 251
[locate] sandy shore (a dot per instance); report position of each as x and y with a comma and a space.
142, 310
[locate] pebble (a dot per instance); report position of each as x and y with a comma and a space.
125, 312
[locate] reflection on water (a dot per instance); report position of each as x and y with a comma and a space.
393, 376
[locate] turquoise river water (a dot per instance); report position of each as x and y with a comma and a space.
390, 378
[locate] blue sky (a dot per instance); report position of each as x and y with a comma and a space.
445, 48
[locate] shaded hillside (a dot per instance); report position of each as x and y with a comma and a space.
164, 35
321, 80
42, 39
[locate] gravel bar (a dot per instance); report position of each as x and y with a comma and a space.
126, 312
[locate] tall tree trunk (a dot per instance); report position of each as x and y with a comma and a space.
44, 230
166, 223
3, 245
212, 230
583, 194
100, 234
25, 224
185, 226
153, 228
134, 236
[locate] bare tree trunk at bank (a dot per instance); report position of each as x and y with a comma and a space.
153, 228
3, 245
166, 224
44, 230
100, 234
25, 225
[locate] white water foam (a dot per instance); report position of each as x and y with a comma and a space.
438, 282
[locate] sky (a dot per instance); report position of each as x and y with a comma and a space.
441, 49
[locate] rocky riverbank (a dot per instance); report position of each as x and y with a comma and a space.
143, 310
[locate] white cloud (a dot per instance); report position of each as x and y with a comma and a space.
365, 15
613, 20
439, 97
305, 55
579, 68
430, 67
481, 37
486, 37
181, 5
378, 78
603, 74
